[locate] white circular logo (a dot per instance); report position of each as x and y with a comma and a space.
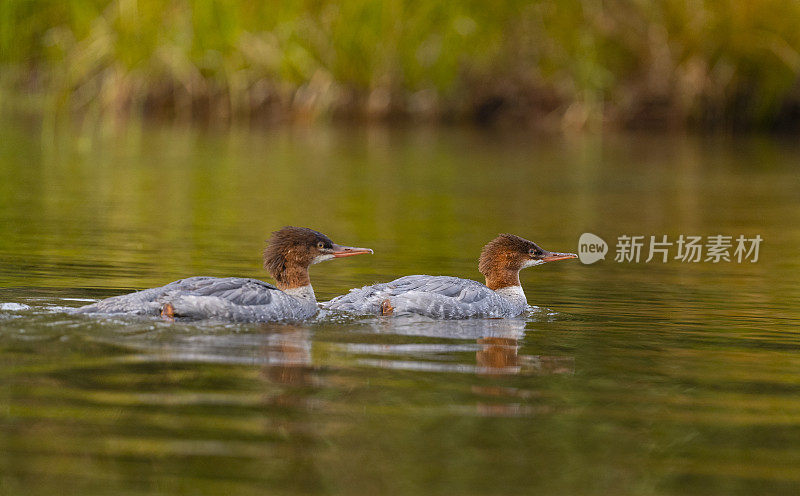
591, 248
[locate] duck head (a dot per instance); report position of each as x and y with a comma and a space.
503, 257
292, 250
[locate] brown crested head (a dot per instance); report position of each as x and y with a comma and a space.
503, 257
292, 250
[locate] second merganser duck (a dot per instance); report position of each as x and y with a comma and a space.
443, 297
290, 252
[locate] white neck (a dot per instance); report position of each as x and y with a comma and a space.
514, 294
303, 292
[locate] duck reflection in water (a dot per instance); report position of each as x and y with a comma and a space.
497, 353
500, 356
497, 344
290, 383
287, 356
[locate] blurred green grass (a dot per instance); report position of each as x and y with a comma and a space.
570, 63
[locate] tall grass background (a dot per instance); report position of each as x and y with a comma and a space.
567, 63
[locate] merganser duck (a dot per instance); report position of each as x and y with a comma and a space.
289, 253
443, 297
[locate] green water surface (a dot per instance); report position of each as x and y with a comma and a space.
626, 378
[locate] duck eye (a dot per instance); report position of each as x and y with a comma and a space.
532, 252
320, 245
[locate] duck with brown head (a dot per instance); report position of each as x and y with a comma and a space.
443, 297
289, 254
